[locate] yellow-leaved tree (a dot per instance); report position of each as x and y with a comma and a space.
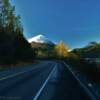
61, 51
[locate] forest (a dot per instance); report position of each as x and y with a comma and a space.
13, 46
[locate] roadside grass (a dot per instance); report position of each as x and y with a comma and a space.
3, 69
17, 65
90, 70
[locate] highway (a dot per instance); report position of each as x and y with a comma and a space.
48, 80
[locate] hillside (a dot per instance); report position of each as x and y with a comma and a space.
42, 50
92, 50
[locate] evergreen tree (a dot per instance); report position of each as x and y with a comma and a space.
8, 19
13, 45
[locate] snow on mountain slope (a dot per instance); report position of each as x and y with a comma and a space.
40, 39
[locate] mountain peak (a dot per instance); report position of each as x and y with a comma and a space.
40, 39
40, 35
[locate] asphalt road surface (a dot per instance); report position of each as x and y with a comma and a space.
48, 80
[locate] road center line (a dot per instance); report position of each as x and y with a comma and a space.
44, 84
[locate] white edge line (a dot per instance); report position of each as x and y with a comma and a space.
17, 74
82, 84
44, 84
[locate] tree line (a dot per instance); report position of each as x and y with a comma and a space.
13, 46
55, 51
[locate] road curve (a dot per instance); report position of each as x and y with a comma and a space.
49, 80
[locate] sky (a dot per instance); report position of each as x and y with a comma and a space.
76, 22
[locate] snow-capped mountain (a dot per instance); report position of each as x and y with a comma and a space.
40, 39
